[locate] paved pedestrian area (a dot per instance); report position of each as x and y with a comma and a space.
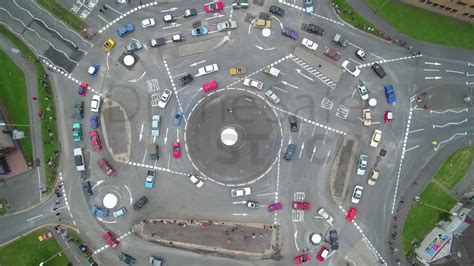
224, 238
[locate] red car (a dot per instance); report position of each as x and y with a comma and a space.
301, 258
275, 207
176, 149
106, 167
82, 89
213, 6
388, 117
322, 254
95, 140
351, 214
110, 239
301, 205
212, 85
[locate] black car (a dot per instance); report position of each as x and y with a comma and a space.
290, 33
290, 152
140, 203
333, 239
78, 109
86, 188
184, 80
378, 69
4, 168
157, 42
311, 28
190, 12
293, 123
125, 258
277, 11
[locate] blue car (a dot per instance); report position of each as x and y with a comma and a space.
94, 121
93, 69
290, 33
125, 29
98, 211
178, 118
389, 93
199, 31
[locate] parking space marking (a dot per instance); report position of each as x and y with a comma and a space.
326, 103
342, 112
153, 85
285, 91
329, 82
155, 98
377, 56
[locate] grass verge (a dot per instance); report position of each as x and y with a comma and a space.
14, 98
348, 14
421, 218
455, 167
4, 207
424, 25
48, 126
63, 14
28, 250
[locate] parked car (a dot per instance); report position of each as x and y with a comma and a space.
239, 192
302, 258
132, 47
290, 152
323, 213
238, 70
178, 118
362, 165
351, 68
213, 6
148, 22
363, 92
366, 117
87, 189
208, 69
360, 54
168, 18
94, 121
93, 69
82, 89
333, 239
388, 117
293, 123
155, 261
98, 211
140, 203
290, 33
4, 167
272, 96
227, 25
195, 180
157, 42
95, 140
389, 94
357, 194
155, 125
373, 177
275, 207
108, 45
120, 212
276, 10
200, 31
176, 150
340, 40
314, 29
78, 109
150, 179
309, 44
262, 23
185, 80
125, 29
237, 4
79, 159
106, 167
95, 103
110, 239
179, 37
190, 12
252, 204
351, 214
76, 132
165, 98
211, 85
376, 137
332, 53
301, 205
126, 259
249, 82
322, 253
378, 69
308, 5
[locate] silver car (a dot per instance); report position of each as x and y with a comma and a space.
357, 194
272, 96
362, 165
165, 98
120, 212
155, 126
239, 192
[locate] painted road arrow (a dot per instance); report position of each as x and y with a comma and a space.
197, 63
288, 84
432, 77
433, 63
168, 10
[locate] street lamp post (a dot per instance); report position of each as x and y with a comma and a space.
417, 199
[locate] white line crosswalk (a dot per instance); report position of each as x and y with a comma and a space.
153, 85
329, 82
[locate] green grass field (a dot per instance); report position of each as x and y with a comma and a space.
14, 98
424, 25
63, 14
455, 167
28, 250
421, 218
349, 15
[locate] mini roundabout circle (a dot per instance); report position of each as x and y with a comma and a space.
233, 136
110, 198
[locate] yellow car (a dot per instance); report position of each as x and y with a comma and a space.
108, 45
261, 23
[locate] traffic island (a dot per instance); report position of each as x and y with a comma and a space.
229, 239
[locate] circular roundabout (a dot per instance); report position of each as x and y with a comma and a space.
233, 136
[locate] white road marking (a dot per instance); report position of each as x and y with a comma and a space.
469, 75
240, 214
130, 194
166, 136
139, 78
169, 10
327, 157
288, 84
433, 63
279, 89
433, 78
173, 25
141, 133
301, 150
239, 202
296, 244
353, 93
264, 49
177, 91
448, 110
430, 69
454, 71
197, 63
312, 155
412, 148
98, 183
299, 72
169, 160
101, 17
451, 138
416, 130
114, 9
144, 156
215, 16
33, 218
377, 56
353, 60
266, 194
355, 46
450, 123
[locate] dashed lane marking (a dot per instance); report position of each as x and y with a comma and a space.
157, 168
174, 87
390, 60
122, 16
97, 251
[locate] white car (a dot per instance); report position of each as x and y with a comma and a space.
376, 137
363, 91
119, 212
148, 22
165, 98
207, 69
195, 180
253, 83
309, 44
227, 25
155, 126
95, 103
168, 18
272, 96
357, 194
361, 54
239, 192
79, 159
351, 68
323, 213
362, 165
